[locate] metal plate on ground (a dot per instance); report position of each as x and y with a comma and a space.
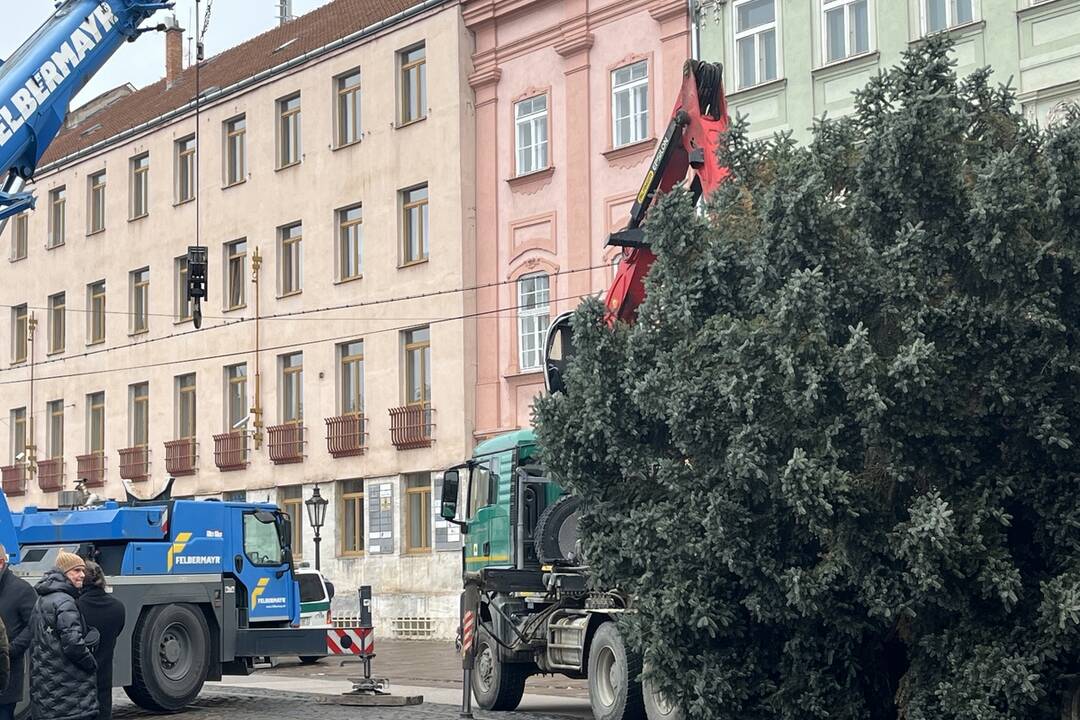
370, 700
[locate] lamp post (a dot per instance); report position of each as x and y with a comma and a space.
316, 507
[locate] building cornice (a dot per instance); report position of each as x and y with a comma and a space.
666, 10
575, 45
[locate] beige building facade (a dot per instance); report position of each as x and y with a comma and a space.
320, 171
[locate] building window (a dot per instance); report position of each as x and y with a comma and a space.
236, 406
236, 274
941, 15
96, 211
139, 414
57, 322
54, 435
533, 296
630, 104
352, 517
531, 132
19, 333
292, 388
413, 84
847, 28
95, 319
234, 496
95, 422
756, 52
18, 435
235, 150
139, 281
351, 357
418, 513
289, 131
185, 169
418, 366
350, 242
414, 205
348, 108
291, 258
140, 186
185, 406
20, 232
292, 502
183, 302
57, 216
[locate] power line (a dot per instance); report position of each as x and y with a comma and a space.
286, 346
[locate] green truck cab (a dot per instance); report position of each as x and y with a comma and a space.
538, 613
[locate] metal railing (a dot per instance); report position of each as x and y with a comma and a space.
231, 450
14, 479
135, 463
286, 443
412, 426
51, 475
346, 435
181, 457
91, 468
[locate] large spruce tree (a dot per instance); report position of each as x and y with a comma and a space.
835, 459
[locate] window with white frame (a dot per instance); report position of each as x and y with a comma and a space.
533, 313
531, 133
757, 56
941, 15
630, 104
846, 28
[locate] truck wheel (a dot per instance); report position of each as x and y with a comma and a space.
657, 706
170, 657
556, 535
614, 689
496, 685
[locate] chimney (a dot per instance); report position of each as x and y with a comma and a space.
174, 50
285, 13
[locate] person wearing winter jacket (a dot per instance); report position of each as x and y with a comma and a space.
63, 673
17, 600
104, 612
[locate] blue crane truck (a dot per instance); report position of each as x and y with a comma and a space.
208, 586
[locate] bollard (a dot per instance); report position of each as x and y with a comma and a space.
470, 607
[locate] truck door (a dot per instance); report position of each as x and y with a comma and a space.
263, 568
485, 544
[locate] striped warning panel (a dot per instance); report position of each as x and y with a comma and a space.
350, 641
468, 630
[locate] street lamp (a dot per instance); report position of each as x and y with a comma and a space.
316, 507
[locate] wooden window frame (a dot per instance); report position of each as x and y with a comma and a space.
405, 68
345, 363
92, 296
94, 408
425, 363
95, 188
234, 130
285, 245
57, 323
139, 280
289, 131
426, 490
20, 333
183, 310
298, 530
20, 236
185, 157
54, 409
57, 217
356, 254
182, 393
232, 257
135, 400
140, 186
344, 96
287, 373
406, 207
360, 539
231, 381
18, 426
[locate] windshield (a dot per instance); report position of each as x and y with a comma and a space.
262, 544
311, 588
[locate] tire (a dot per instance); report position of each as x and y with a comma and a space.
556, 536
310, 659
656, 705
496, 685
170, 657
614, 689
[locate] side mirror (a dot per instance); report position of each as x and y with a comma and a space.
558, 349
448, 502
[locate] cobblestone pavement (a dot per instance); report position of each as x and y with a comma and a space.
256, 704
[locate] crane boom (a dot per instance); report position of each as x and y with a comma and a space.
39, 80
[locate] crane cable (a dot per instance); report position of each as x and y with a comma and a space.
200, 33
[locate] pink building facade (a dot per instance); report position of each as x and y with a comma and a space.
571, 97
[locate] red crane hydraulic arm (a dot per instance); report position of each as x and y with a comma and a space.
690, 143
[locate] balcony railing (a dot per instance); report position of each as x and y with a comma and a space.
286, 443
51, 475
346, 435
14, 479
135, 463
412, 426
91, 468
231, 450
180, 457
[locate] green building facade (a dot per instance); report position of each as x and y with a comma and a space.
787, 62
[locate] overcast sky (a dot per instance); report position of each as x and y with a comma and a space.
143, 62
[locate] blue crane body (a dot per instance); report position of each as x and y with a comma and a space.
39, 80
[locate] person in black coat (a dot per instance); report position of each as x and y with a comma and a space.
104, 612
63, 673
17, 600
